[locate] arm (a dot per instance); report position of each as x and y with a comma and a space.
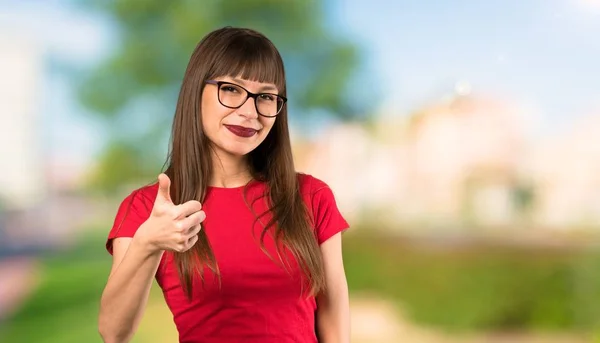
333, 306
169, 227
126, 293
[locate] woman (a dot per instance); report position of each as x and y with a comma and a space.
244, 248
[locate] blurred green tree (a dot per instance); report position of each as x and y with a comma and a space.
134, 91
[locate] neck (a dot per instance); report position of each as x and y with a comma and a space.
230, 171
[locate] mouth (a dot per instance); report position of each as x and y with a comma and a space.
241, 131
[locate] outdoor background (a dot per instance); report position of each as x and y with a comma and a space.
461, 139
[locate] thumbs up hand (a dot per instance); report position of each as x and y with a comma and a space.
171, 227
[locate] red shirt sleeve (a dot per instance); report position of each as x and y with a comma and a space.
133, 211
328, 219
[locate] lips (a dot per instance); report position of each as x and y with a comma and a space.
241, 131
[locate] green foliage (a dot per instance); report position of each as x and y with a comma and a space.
156, 39
65, 306
123, 165
479, 288
476, 288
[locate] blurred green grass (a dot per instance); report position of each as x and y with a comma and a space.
469, 288
65, 305
479, 288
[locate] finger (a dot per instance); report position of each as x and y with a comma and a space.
194, 230
187, 244
190, 243
164, 188
187, 208
193, 220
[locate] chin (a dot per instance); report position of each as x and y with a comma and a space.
239, 150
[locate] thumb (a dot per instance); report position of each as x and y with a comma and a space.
164, 188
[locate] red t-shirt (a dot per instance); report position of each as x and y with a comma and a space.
258, 299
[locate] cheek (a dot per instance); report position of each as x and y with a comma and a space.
211, 116
267, 125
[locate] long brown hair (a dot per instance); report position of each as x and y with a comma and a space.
245, 53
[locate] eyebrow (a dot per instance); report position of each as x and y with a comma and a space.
262, 89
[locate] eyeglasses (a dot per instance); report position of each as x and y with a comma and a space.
234, 96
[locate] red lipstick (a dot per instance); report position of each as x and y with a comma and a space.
241, 131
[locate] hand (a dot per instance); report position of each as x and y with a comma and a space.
171, 227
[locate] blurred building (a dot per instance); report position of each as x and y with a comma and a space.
454, 163
463, 157
566, 169
360, 170
22, 173
460, 163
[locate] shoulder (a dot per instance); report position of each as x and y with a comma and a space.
315, 192
142, 196
323, 210
133, 210
309, 184
139, 202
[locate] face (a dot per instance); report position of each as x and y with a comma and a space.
235, 131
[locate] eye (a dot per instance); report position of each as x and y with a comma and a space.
267, 97
227, 88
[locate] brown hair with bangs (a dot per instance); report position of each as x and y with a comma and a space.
245, 53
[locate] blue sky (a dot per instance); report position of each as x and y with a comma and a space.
540, 54
543, 53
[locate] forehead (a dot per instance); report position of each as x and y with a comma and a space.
251, 85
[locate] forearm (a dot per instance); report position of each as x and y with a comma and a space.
333, 316
126, 293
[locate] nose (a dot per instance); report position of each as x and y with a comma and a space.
248, 108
